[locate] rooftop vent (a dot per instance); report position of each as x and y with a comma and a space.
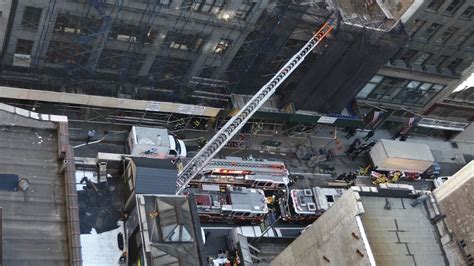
311, 206
308, 192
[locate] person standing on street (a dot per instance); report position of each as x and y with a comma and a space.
369, 135
403, 137
359, 150
371, 144
350, 133
90, 135
353, 146
394, 137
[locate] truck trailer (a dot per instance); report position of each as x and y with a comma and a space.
390, 155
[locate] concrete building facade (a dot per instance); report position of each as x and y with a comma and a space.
428, 68
455, 200
370, 226
196, 51
5, 7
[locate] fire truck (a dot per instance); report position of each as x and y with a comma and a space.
251, 173
217, 203
306, 205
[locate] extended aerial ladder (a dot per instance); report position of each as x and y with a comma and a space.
199, 161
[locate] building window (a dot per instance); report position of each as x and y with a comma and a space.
206, 6
62, 52
388, 89
244, 10
446, 35
369, 87
461, 38
222, 46
170, 68
125, 32
453, 7
23, 46
436, 61
430, 31
185, 42
31, 17
434, 5
161, 2
467, 14
429, 92
66, 23
405, 55
416, 26
422, 58
399, 91
453, 64
470, 45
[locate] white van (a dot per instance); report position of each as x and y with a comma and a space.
155, 143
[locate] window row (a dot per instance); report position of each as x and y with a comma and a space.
413, 57
452, 8
32, 15
399, 91
449, 33
215, 6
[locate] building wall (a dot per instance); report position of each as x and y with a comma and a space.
441, 42
5, 6
329, 240
455, 199
431, 63
146, 50
348, 61
395, 88
467, 135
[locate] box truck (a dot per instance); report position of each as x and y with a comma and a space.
155, 143
390, 155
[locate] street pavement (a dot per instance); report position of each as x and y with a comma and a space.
450, 158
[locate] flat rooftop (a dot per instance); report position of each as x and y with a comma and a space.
34, 222
402, 234
369, 229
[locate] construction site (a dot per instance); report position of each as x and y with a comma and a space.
217, 132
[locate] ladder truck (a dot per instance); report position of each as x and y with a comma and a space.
220, 139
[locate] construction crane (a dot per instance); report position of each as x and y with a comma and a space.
199, 161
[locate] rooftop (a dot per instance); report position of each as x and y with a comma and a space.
155, 176
35, 225
172, 232
400, 234
369, 228
151, 136
378, 15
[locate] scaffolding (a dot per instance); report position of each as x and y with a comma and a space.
102, 50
